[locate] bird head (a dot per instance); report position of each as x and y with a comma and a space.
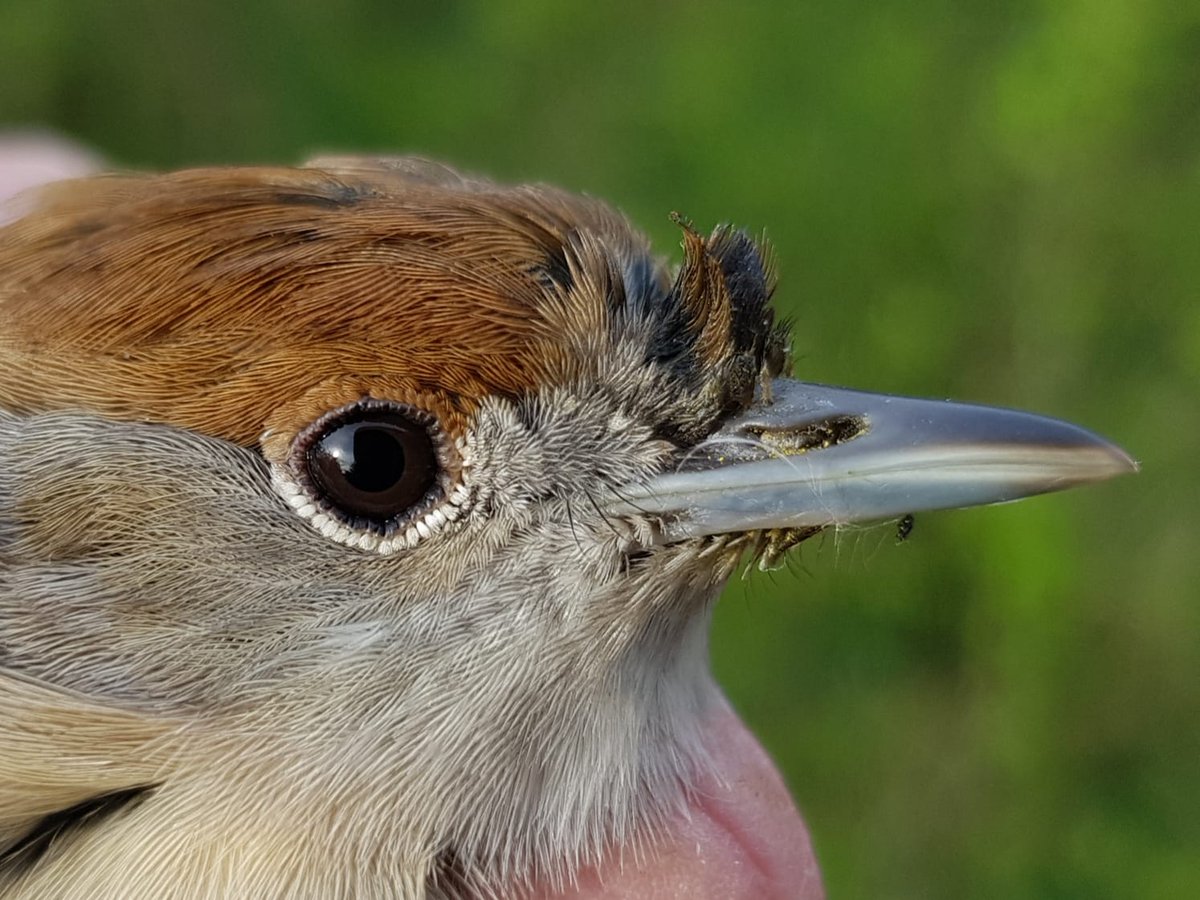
360, 524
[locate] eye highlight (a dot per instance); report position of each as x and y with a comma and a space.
374, 464
374, 474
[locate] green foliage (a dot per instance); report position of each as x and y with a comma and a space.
998, 202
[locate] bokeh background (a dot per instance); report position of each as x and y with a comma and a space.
996, 201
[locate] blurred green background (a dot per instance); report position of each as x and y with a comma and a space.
992, 201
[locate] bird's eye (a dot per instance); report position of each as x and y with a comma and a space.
375, 464
374, 467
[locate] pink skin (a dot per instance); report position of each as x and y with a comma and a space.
742, 838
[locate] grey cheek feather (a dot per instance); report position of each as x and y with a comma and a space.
449, 697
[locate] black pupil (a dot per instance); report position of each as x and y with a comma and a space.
375, 467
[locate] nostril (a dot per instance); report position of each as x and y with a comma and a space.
819, 435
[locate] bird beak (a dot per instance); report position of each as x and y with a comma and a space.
814, 456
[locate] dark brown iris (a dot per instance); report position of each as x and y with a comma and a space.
374, 464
